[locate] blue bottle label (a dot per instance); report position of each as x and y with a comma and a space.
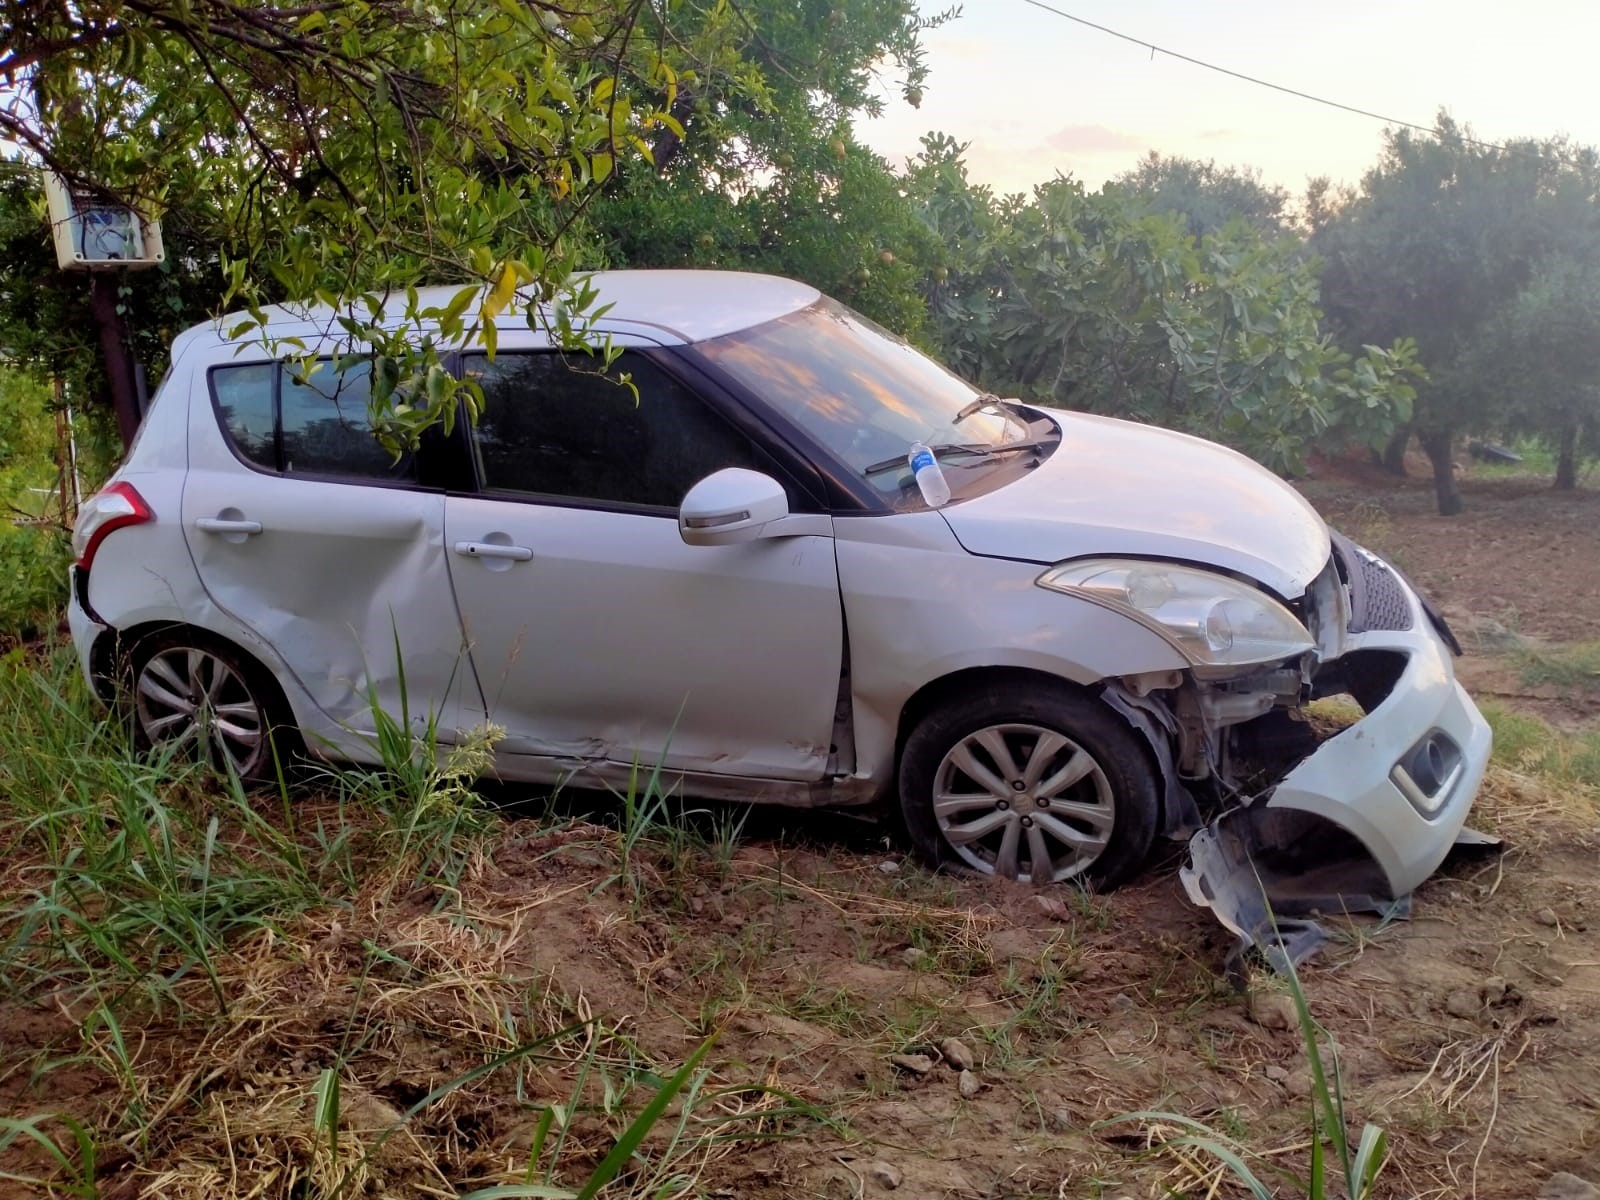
921, 459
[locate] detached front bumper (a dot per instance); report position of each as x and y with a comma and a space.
1377, 779
1395, 787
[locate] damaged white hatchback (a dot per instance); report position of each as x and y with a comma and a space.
1058, 639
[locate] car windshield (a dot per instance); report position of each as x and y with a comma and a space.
858, 389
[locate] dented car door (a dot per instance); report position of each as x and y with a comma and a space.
598, 635
329, 550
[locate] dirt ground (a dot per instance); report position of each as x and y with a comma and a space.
1519, 568
1520, 554
816, 952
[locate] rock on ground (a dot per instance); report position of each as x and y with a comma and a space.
1562, 1186
886, 1175
917, 1064
1274, 1010
955, 1053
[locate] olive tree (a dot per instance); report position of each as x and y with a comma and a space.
1092, 300
1440, 241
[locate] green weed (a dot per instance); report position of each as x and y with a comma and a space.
1531, 745
1573, 667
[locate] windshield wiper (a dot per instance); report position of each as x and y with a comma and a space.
1009, 410
986, 400
977, 450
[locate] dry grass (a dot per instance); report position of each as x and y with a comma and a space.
560, 971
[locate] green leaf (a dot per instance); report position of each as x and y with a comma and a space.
458, 303
325, 1111
1370, 1156
641, 1125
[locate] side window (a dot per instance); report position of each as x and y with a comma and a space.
316, 427
324, 426
551, 425
244, 401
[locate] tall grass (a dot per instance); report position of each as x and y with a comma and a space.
124, 873
140, 890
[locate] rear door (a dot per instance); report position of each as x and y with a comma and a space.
307, 531
596, 632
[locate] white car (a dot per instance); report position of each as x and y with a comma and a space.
1105, 634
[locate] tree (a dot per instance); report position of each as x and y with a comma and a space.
342, 152
1094, 301
784, 187
1206, 196
1445, 232
1540, 356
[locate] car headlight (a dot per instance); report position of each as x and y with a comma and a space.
1212, 619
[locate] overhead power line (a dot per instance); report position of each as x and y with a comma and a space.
1267, 83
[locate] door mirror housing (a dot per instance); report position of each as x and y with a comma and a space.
731, 506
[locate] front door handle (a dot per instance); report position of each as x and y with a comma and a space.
494, 550
224, 525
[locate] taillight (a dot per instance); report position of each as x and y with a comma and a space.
119, 505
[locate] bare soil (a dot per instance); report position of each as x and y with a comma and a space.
1519, 567
1521, 554
814, 952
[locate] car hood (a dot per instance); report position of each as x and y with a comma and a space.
1120, 488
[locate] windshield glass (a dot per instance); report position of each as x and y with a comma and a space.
855, 387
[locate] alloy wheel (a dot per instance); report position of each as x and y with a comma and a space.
1024, 802
194, 700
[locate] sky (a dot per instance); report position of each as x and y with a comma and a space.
1035, 94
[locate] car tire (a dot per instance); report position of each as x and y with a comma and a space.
1005, 773
214, 702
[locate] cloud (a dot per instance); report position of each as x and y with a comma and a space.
1092, 139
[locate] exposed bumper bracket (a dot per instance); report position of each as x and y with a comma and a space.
1270, 905
1248, 867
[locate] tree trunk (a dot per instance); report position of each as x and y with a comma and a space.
1567, 459
1438, 445
116, 360
1394, 452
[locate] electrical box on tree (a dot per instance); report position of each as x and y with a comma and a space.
92, 233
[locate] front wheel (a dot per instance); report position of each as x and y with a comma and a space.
1030, 782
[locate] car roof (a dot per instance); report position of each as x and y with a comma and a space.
677, 306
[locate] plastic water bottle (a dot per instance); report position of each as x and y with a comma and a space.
930, 479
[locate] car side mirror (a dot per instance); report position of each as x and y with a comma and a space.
731, 506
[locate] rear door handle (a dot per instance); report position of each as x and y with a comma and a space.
494, 550
223, 525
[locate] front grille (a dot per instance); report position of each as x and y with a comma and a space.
1377, 597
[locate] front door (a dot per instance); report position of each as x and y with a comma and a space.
596, 632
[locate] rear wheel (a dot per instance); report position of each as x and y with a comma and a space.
205, 700
1030, 782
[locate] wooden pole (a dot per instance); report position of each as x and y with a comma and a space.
63, 453
118, 362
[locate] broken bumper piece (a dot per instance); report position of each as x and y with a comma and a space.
1358, 824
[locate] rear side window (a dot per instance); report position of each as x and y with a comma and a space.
324, 427
244, 402
553, 426
317, 426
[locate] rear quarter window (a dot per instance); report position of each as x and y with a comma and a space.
317, 425
244, 404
